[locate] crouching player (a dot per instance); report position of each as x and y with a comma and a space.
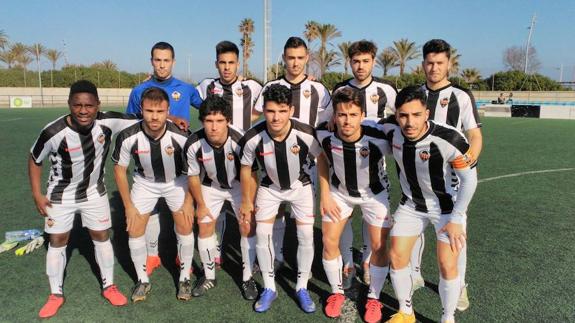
156, 146
213, 174
426, 153
352, 173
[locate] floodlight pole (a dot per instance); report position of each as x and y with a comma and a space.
267, 36
529, 43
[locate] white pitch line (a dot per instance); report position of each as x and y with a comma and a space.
526, 173
11, 119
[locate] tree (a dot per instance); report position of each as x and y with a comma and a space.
106, 64
8, 58
275, 70
324, 57
3, 39
326, 60
311, 32
246, 28
20, 53
418, 71
343, 54
386, 60
405, 51
37, 50
24, 61
53, 56
454, 60
514, 59
471, 76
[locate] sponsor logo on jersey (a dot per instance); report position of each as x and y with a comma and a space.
101, 138
50, 222
337, 148
170, 150
424, 155
374, 98
306, 94
444, 101
141, 152
398, 147
176, 95
217, 91
104, 220
204, 159
239, 92
69, 150
265, 153
230, 156
364, 152
295, 149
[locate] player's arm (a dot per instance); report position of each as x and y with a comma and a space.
248, 184
121, 177
196, 191
327, 204
182, 123
187, 209
475, 138
35, 176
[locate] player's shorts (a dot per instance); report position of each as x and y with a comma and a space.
374, 209
410, 223
95, 214
215, 197
145, 193
301, 200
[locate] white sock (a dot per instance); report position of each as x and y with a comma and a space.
416, 254
220, 230
265, 252
305, 253
402, 285
346, 245
105, 259
366, 255
55, 266
207, 248
333, 272
186, 254
138, 253
153, 234
462, 259
279, 233
449, 291
248, 247
378, 275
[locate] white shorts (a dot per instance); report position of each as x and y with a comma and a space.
145, 193
95, 215
410, 223
301, 200
215, 198
374, 209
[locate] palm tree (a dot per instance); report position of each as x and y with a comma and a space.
246, 29
24, 61
471, 75
386, 60
275, 70
326, 60
106, 64
8, 58
311, 32
37, 50
418, 70
343, 49
454, 60
326, 32
405, 51
19, 51
3, 39
53, 55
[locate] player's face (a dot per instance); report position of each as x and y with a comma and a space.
84, 108
436, 67
155, 114
162, 61
227, 65
412, 118
348, 117
277, 117
216, 128
361, 66
295, 60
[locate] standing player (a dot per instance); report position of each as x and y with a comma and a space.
356, 172
182, 95
156, 146
239, 94
375, 96
311, 102
214, 171
426, 153
454, 106
77, 144
281, 147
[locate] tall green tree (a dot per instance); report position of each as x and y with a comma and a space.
454, 60
246, 28
405, 51
20, 53
386, 60
343, 54
53, 55
326, 60
8, 58
471, 75
37, 50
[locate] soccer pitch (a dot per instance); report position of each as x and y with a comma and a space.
521, 253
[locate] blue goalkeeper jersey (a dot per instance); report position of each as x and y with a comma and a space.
181, 95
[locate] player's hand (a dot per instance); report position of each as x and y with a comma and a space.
131, 215
331, 125
311, 77
456, 236
329, 206
187, 211
202, 211
247, 211
42, 202
182, 123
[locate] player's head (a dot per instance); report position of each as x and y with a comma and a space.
295, 56
348, 114
215, 116
84, 103
163, 58
436, 60
411, 112
362, 57
277, 108
155, 108
227, 61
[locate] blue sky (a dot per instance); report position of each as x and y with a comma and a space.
124, 31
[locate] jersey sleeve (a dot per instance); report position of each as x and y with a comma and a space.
259, 105
134, 103
460, 157
248, 151
192, 147
118, 121
41, 148
326, 110
195, 99
256, 89
469, 114
202, 88
121, 155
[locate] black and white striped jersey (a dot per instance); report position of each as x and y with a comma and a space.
310, 99
241, 95
357, 168
453, 106
425, 166
375, 96
217, 167
283, 163
77, 172
158, 160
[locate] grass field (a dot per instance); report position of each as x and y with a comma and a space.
521, 242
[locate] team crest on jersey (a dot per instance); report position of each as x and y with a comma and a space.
101, 138
295, 149
50, 222
424, 155
230, 156
239, 92
364, 152
170, 150
176, 95
444, 101
306, 94
374, 98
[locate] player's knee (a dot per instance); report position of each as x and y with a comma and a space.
59, 240
448, 268
398, 259
206, 229
330, 244
99, 235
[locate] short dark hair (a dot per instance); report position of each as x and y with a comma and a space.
277, 93
362, 47
83, 86
410, 93
213, 105
345, 95
294, 42
437, 46
162, 45
154, 94
226, 47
